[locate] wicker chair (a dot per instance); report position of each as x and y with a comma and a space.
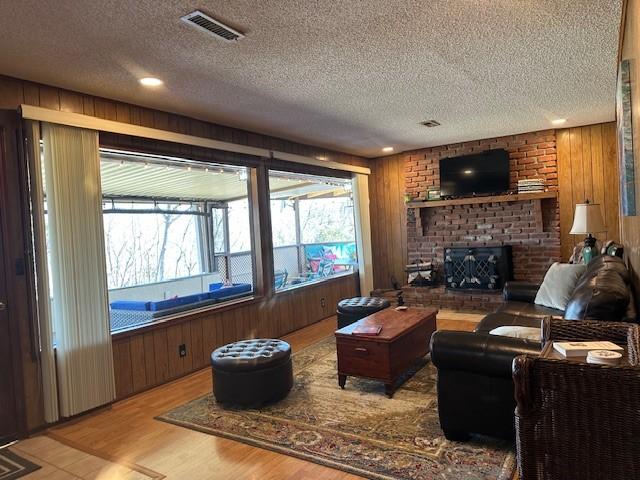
576, 420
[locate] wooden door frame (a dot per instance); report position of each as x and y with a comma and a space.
11, 195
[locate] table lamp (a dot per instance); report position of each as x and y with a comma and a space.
588, 220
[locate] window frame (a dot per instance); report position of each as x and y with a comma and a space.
300, 245
204, 231
260, 216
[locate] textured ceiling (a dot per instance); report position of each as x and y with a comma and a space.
351, 75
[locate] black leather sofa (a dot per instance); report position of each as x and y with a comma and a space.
475, 386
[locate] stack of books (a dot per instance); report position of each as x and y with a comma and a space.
531, 185
597, 350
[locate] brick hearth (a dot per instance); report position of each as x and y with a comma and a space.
531, 227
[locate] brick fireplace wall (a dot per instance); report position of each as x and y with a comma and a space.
531, 227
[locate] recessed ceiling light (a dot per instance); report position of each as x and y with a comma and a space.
387, 149
150, 82
322, 157
559, 121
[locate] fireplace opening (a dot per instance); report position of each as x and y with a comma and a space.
477, 268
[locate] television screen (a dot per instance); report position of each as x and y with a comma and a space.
479, 174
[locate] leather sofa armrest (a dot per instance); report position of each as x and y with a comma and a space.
520, 291
479, 353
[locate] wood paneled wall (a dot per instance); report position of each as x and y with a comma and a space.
14, 92
143, 360
630, 50
148, 358
588, 169
388, 220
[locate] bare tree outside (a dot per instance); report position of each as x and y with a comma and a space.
327, 220
143, 248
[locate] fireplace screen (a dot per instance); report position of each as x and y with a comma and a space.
481, 268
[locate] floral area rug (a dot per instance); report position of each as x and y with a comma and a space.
359, 429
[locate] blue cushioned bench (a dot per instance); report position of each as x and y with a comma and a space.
128, 313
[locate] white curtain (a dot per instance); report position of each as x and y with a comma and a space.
360, 186
77, 265
47, 353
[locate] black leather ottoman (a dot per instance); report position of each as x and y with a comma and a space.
252, 372
353, 309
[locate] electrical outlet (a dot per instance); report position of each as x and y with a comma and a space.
182, 350
323, 302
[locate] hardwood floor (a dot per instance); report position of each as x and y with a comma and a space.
127, 433
59, 461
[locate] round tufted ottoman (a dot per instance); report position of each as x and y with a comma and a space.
353, 309
251, 372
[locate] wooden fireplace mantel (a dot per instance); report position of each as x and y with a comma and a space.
516, 197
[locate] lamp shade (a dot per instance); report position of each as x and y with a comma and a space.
587, 219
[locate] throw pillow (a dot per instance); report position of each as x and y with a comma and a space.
529, 333
558, 285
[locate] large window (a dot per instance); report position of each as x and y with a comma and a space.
313, 228
177, 235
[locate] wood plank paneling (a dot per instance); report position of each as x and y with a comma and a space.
71, 102
122, 367
587, 169
611, 177
565, 192
11, 93
138, 366
31, 94
161, 354
197, 351
577, 165
388, 219
50, 97
149, 359
174, 339
630, 50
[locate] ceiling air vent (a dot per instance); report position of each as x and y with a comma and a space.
212, 26
430, 123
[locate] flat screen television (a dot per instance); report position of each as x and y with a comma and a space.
484, 173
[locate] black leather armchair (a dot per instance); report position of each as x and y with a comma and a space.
475, 388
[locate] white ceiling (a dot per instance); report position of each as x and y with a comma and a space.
350, 75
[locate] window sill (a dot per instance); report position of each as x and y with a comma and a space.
185, 317
316, 282
215, 309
